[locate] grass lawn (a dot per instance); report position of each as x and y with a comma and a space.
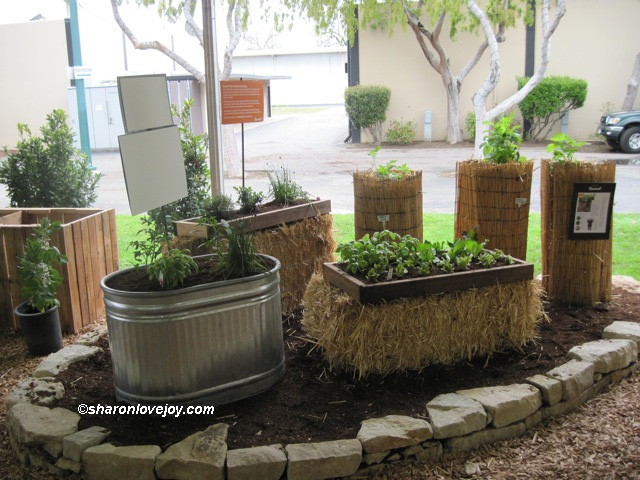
439, 227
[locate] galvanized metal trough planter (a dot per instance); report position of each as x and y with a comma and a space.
207, 344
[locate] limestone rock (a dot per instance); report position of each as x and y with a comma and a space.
317, 461
623, 331
432, 451
374, 458
627, 283
55, 363
40, 391
393, 431
507, 404
106, 462
65, 463
606, 355
201, 455
260, 463
452, 415
93, 336
575, 377
484, 437
74, 445
32, 425
550, 388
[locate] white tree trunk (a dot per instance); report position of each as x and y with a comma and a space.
454, 132
632, 86
489, 85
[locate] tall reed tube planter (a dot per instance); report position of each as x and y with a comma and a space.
573, 271
387, 204
206, 344
495, 198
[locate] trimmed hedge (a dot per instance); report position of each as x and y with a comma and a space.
549, 101
366, 107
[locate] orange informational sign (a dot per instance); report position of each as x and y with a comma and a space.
242, 101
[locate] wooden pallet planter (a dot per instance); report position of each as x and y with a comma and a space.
260, 221
372, 293
87, 238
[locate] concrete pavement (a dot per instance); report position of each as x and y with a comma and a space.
312, 147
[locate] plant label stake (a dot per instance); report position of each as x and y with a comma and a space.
383, 219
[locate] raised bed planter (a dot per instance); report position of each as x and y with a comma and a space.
259, 221
87, 238
371, 293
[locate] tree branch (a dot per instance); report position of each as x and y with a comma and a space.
632, 86
234, 27
154, 45
190, 24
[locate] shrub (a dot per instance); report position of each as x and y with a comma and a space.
563, 147
194, 150
502, 141
248, 199
48, 171
366, 107
549, 101
470, 122
401, 132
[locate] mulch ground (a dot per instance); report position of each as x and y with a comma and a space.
312, 403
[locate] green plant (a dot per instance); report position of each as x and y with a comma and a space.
248, 199
194, 150
393, 171
366, 107
48, 171
36, 267
401, 132
219, 206
149, 241
284, 189
563, 147
502, 141
241, 259
470, 123
172, 268
549, 101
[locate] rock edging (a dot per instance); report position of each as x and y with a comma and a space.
458, 421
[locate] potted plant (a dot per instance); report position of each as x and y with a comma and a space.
493, 195
387, 197
38, 315
574, 271
206, 329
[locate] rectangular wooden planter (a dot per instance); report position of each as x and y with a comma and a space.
87, 238
417, 287
190, 227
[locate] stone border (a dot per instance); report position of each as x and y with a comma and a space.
458, 421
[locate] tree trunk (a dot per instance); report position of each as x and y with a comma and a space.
232, 161
454, 132
632, 86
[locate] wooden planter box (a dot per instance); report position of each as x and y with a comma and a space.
87, 238
417, 287
260, 221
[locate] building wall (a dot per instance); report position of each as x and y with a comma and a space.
317, 78
34, 80
596, 41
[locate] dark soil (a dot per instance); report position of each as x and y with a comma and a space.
311, 403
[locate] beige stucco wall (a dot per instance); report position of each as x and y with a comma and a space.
596, 41
36, 81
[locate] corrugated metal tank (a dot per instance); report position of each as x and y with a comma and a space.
208, 344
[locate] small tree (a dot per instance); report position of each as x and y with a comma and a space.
48, 171
366, 107
194, 150
549, 101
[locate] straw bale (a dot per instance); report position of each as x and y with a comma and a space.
410, 334
302, 247
486, 198
573, 271
401, 200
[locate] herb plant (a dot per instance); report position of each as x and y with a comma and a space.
172, 268
393, 171
386, 255
284, 189
563, 147
502, 141
248, 199
36, 268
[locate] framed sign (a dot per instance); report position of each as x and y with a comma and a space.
144, 102
591, 210
241, 101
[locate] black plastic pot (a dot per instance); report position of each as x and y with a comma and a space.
41, 330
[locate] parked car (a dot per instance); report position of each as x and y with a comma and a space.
621, 130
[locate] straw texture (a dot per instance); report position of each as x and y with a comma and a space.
573, 271
495, 199
302, 247
400, 200
409, 334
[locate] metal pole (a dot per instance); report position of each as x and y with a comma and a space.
212, 89
83, 119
